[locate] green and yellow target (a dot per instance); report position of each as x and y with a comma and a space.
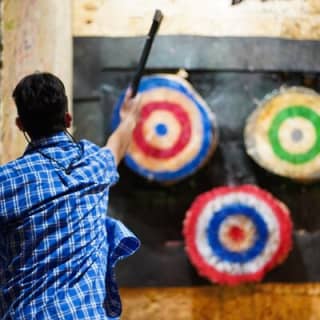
283, 134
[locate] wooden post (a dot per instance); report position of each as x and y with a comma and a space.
1, 103
36, 36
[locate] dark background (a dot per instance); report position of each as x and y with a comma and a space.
238, 74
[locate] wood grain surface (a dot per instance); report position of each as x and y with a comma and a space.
293, 19
36, 37
257, 302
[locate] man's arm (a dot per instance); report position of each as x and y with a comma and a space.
120, 139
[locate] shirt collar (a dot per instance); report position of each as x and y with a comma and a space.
56, 139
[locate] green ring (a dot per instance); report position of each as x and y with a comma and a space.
290, 112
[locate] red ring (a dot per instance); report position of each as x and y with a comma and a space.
185, 134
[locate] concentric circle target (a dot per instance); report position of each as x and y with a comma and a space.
237, 234
176, 133
294, 129
283, 133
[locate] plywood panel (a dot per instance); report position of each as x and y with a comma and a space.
36, 37
260, 302
293, 19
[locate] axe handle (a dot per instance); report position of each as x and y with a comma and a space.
146, 51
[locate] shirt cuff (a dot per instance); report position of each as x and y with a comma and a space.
122, 243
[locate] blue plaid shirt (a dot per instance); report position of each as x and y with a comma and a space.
58, 248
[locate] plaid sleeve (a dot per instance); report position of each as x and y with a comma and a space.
111, 168
122, 243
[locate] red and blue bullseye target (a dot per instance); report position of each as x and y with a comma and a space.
176, 133
237, 234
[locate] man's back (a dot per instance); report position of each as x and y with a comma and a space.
54, 242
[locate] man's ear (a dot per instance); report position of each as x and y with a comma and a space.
67, 119
19, 124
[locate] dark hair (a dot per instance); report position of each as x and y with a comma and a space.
41, 104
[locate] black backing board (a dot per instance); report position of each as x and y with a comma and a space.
155, 213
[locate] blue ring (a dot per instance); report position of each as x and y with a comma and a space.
238, 257
154, 82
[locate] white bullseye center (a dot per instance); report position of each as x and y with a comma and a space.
297, 135
237, 233
161, 129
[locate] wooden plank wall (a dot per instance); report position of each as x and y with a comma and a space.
36, 37
293, 19
287, 19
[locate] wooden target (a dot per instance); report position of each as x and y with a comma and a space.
237, 234
283, 133
176, 133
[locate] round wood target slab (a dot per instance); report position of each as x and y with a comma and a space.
176, 133
283, 134
237, 234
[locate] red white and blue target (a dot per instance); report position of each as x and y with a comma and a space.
176, 133
237, 234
